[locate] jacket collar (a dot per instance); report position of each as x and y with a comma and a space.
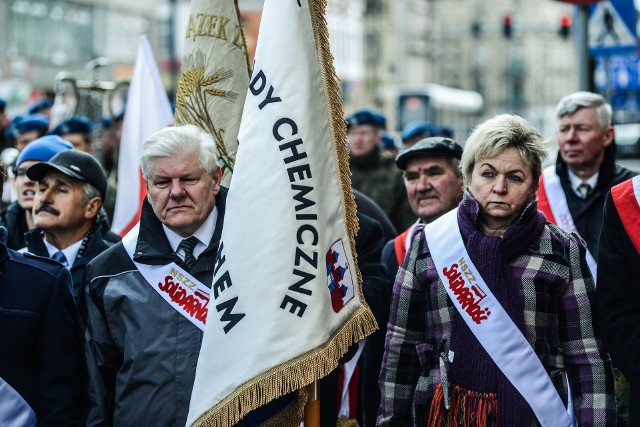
607, 168
153, 247
95, 245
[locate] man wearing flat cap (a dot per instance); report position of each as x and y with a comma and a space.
71, 188
77, 130
372, 172
433, 183
18, 216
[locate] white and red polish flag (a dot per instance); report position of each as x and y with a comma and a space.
286, 297
147, 111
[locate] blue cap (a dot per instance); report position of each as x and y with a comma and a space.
366, 116
106, 122
43, 149
3, 105
27, 123
39, 105
77, 124
387, 141
436, 146
443, 130
417, 128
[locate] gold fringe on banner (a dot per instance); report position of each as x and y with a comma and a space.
290, 376
297, 373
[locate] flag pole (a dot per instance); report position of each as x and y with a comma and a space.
312, 408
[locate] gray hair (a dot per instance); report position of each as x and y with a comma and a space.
173, 141
88, 193
577, 100
495, 135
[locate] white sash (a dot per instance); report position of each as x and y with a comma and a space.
14, 410
181, 290
636, 187
560, 209
490, 323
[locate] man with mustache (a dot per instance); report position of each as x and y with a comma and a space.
572, 193
71, 188
18, 216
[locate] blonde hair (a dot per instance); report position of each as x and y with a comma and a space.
495, 135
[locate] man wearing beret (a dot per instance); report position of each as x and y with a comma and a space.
433, 183
71, 188
18, 217
373, 173
77, 130
27, 128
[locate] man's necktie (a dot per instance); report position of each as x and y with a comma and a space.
584, 189
59, 256
187, 246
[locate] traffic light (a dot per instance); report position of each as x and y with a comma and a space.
507, 20
565, 26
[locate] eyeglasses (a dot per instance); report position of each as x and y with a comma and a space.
20, 171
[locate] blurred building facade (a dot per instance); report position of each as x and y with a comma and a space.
381, 47
43, 37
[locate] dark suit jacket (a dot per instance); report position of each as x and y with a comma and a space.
618, 302
369, 242
41, 356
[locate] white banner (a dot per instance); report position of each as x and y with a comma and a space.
147, 111
286, 297
215, 76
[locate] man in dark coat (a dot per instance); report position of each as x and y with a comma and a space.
41, 369
618, 293
373, 172
586, 165
138, 344
365, 390
71, 188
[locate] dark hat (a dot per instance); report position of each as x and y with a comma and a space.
39, 105
43, 149
387, 141
365, 116
443, 130
75, 124
417, 128
27, 123
3, 105
73, 163
434, 146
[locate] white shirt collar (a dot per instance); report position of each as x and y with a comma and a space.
70, 252
575, 181
203, 234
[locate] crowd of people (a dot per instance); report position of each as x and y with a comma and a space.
479, 264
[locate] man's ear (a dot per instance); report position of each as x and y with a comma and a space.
216, 175
92, 208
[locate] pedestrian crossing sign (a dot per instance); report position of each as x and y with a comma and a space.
612, 27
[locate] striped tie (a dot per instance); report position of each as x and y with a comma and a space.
187, 246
